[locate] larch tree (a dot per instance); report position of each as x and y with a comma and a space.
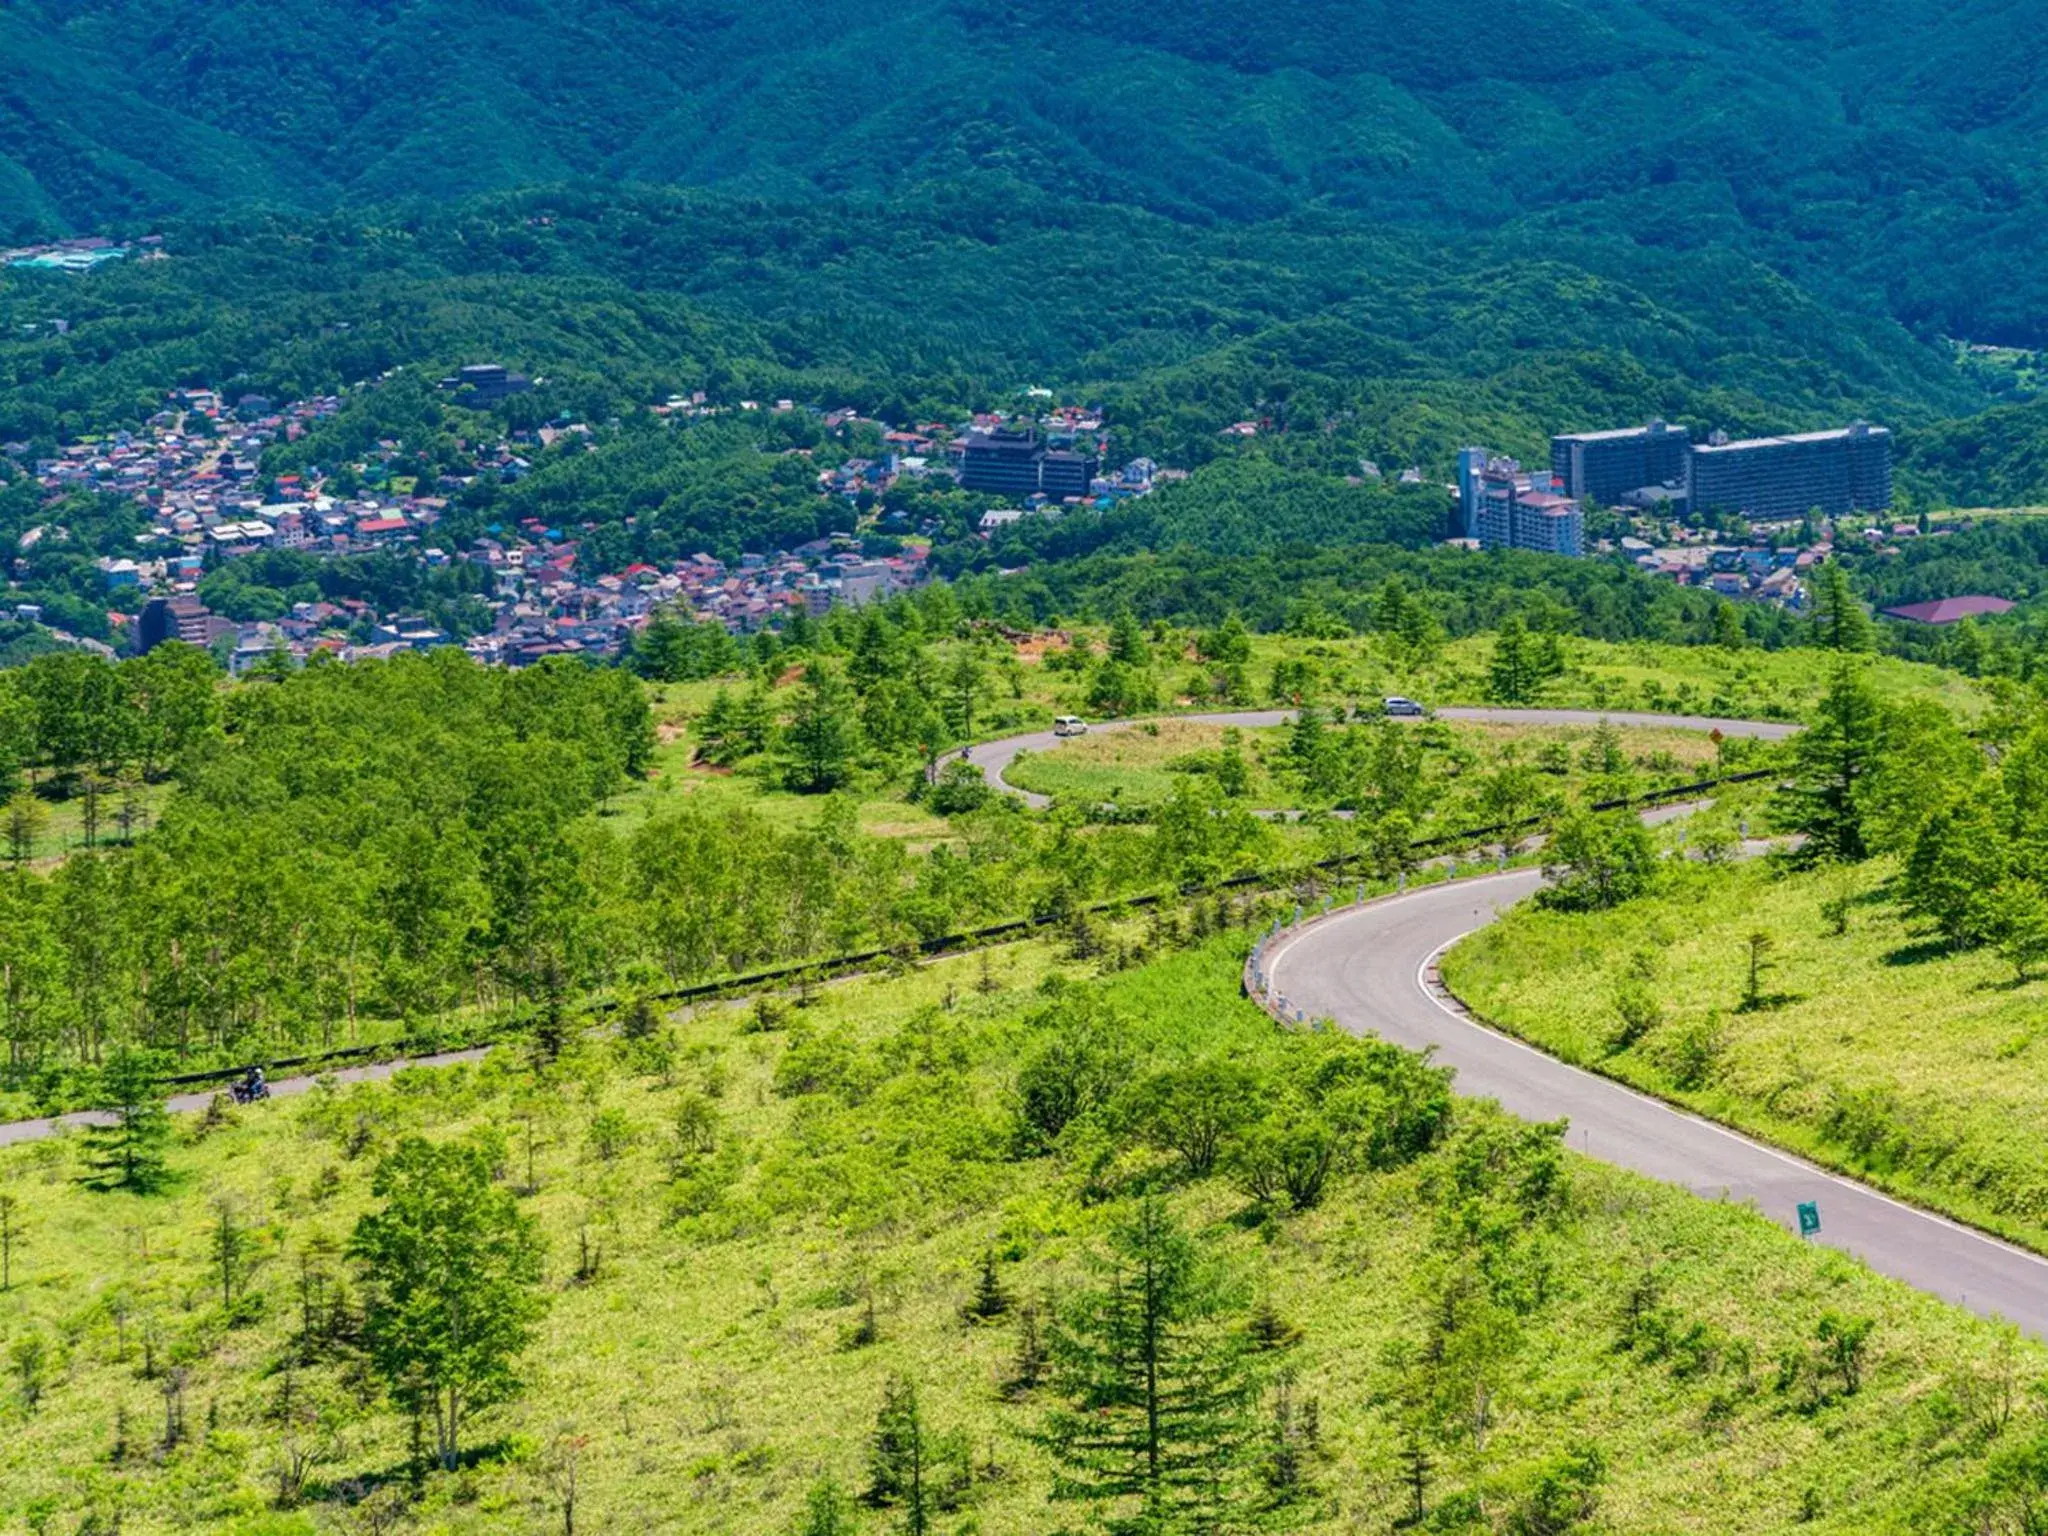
818, 742
1157, 1424
1834, 755
1839, 622
128, 1152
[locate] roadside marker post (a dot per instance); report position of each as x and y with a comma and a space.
1809, 1218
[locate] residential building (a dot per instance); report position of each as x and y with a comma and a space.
1846, 470
1603, 467
176, 618
1550, 523
1471, 466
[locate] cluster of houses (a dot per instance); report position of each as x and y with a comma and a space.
1754, 572
1773, 566
197, 470
540, 605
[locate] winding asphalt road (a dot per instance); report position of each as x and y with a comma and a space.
1372, 970
995, 757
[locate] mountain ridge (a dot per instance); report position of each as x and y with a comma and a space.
1880, 155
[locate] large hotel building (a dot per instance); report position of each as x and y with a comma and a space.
1845, 470
1603, 467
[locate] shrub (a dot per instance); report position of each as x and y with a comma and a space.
1076, 1068
961, 787
1639, 1013
1695, 1053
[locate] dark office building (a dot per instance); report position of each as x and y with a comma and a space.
1004, 460
1061, 475
1013, 462
487, 383
1846, 470
1603, 467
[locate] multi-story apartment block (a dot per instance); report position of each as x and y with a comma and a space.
1513, 510
1846, 470
1603, 467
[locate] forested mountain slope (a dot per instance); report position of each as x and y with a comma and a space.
931, 301
1880, 150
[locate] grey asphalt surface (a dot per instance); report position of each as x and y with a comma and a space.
995, 757
1371, 969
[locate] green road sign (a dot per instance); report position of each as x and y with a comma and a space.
1809, 1217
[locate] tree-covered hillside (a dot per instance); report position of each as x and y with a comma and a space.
1383, 342
1878, 151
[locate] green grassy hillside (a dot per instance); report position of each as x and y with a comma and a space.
749, 1232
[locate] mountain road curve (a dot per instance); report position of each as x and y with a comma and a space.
1371, 969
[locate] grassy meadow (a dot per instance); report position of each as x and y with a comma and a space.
1026, 693
1876, 1049
722, 1323
1138, 767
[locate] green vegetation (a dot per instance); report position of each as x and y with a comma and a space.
1871, 1046
867, 1264
1218, 113
1870, 1002
426, 847
1457, 774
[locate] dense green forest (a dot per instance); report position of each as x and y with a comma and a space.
343, 853
1351, 226
1348, 341
954, 297
1882, 156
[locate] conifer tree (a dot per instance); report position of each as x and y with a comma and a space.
1511, 677
818, 744
899, 1457
1028, 1368
990, 1301
1728, 631
129, 1152
1157, 1420
1835, 754
1127, 641
1838, 617
966, 682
